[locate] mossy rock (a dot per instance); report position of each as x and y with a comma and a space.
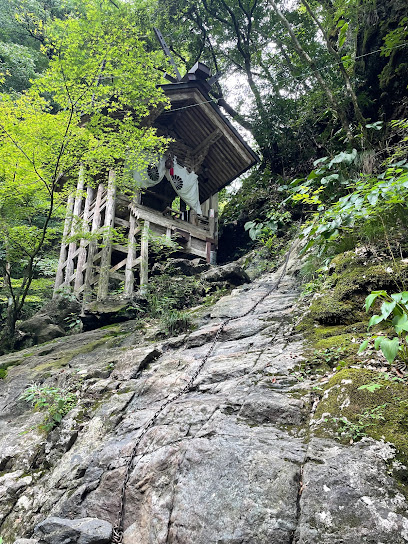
342, 398
331, 311
341, 299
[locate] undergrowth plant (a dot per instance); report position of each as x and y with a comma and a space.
55, 402
348, 195
355, 430
175, 322
394, 314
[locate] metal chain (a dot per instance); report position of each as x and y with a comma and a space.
117, 535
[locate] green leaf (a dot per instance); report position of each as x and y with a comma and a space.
363, 346
372, 297
377, 342
390, 348
372, 198
375, 320
400, 323
396, 296
387, 308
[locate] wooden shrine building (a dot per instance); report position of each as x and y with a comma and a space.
206, 155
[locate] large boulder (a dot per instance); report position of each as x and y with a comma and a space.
111, 310
54, 319
55, 530
231, 273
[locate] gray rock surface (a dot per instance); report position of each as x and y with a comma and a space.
232, 460
55, 530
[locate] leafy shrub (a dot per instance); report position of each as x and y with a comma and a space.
175, 322
54, 401
169, 292
394, 313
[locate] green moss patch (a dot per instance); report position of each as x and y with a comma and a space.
385, 407
68, 356
341, 299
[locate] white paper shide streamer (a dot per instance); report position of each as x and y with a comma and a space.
185, 183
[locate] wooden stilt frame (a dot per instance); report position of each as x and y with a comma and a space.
96, 223
59, 279
69, 268
144, 263
131, 257
79, 278
103, 284
89, 269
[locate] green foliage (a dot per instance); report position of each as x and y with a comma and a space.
394, 313
352, 206
55, 402
264, 231
175, 322
395, 37
83, 113
170, 292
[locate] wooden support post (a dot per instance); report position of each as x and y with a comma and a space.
96, 223
59, 279
79, 278
131, 256
103, 284
69, 269
213, 217
144, 262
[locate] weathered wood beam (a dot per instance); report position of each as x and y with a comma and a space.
157, 218
69, 269
213, 217
121, 222
131, 256
96, 222
59, 279
144, 263
200, 152
103, 284
79, 280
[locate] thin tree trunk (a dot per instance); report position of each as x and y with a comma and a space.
359, 116
305, 55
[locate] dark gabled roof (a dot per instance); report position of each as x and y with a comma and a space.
194, 119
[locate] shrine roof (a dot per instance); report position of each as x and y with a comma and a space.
196, 122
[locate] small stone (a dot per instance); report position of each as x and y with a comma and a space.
26, 541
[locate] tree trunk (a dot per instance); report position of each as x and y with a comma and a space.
305, 55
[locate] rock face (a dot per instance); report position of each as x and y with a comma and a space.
83, 531
232, 460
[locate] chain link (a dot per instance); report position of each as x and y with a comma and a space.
117, 536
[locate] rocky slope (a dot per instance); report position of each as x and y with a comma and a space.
232, 460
